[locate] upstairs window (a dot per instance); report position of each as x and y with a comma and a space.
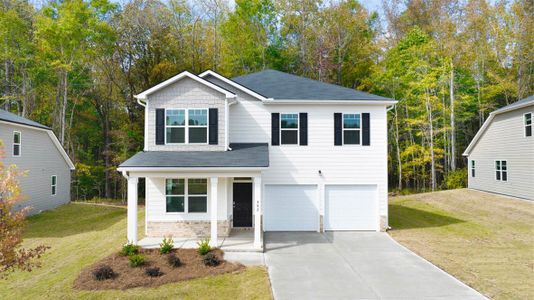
528, 124
351, 129
194, 131
186, 195
289, 129
501, 170
54, 185
16, 143
472, 168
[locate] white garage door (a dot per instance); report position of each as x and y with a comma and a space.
350, 207
291, 208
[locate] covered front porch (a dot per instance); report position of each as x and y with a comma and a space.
218, 198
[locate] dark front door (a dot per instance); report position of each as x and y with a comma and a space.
242, 204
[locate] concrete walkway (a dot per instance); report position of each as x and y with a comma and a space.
354, 265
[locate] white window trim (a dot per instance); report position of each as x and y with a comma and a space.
19, 144
525, 124
350, 129
290, 129
186, 197
473, 168
500, 170
187, 126
52, 185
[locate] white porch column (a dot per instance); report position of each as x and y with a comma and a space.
213, 202
132, 209
257, 212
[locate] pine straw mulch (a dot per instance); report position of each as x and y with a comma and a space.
130, 277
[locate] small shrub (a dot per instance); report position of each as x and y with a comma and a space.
136, 260
166, 246
129, 249
211, 260
103, 272
153, 272
204, 247
173, 260
456, 179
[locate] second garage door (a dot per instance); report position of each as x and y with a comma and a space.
291, 208
350, 207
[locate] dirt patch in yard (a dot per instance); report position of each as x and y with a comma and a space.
130, 277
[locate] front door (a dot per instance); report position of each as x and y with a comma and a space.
242, 204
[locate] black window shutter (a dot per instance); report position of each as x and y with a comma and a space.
214, 126
303, 124
338, 130
160, 126
366, 126
275, 129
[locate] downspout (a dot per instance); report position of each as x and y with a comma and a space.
227, 121
140, 102
390, 108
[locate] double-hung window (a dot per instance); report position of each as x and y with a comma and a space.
501, 170
194, 131
54, 185
16, 143
289, 129
351, 129
472, 168
186, 195
528, 124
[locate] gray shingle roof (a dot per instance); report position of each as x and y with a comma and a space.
517, 103
280, 85
12, 118
242, 155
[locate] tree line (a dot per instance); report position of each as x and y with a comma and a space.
76, 65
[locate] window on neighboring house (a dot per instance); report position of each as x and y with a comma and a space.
54, 184
16, 143
351, 129
198, 126
472, 168
186, 195
501, 170
289, 129
528, 124
175, 126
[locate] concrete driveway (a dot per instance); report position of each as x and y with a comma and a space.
354, 265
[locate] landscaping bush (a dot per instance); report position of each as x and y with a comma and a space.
129, 249
153, 272
174, 261
103, 272
166, 246
211, 260
136, 260
204, 247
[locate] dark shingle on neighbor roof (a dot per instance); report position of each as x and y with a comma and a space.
517, 103
12, 118
280, 85
242, 155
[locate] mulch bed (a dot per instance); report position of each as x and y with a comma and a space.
130, 277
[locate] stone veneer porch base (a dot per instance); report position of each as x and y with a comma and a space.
187, 229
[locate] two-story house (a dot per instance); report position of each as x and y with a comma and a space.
269, 151
36, 151
501, 155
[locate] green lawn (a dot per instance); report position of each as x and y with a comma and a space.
81, 234
485, 240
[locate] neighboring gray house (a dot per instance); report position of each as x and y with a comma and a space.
34, 148
501, 155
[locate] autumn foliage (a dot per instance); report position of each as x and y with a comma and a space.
12, 223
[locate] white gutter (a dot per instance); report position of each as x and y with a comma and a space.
330, 102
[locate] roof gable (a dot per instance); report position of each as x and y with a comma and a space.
209, 73
283, 86
185, 74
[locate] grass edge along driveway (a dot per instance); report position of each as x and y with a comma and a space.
485, 240
82, 234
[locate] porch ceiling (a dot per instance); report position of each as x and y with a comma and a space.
242, 155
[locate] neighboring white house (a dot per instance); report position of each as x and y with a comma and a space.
34, 148
501, 155
269, 151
